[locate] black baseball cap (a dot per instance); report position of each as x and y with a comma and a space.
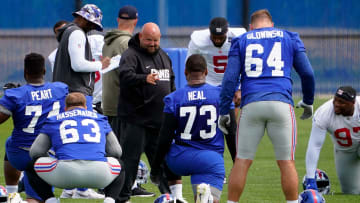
128, 12
218, 26
346, 92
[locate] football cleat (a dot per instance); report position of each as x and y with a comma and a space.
87, 194
66, 193
203, 194
322, 182
311, 196
15, 197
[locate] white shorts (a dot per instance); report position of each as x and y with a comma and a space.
278, 118
77, 173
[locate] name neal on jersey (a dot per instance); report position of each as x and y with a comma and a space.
196, 95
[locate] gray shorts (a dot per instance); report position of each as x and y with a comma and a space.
348, 170
277, 118
77, 173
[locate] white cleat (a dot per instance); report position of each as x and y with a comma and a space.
67, 193
204, 194
109, 200
87, 194
15, 198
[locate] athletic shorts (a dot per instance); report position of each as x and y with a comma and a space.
348, 171
20, 158
277, 118
77, 173
204, 166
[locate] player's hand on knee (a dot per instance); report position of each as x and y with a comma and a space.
311, 184
224, 123
308, 110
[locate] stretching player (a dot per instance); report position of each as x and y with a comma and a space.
190, 117
263, 58
87, 153
29, 106
340, 117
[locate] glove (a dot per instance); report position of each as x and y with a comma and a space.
310, 183
11, 85
155, 177
224, 123
308, 110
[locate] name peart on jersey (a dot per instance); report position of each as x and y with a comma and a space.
216, 57
29, 106
344, 130
78, 134
196, 109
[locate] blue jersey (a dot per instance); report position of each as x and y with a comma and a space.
30, 105
196, 109
266, 56
78, 134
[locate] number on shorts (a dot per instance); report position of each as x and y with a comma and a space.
191, 111
71, 135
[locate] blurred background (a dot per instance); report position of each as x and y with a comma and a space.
330, 30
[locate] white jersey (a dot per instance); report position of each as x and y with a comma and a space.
344, 130
345, 135
216, 57
96, 42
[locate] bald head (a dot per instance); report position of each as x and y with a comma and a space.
150, 37
75, 100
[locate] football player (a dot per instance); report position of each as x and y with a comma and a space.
29, 106
340, 117
214, 44
84, 146
263, 58
96, 42
190, 118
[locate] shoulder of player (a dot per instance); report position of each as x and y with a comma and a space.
16, 92
59, 86
235, 32
291, 35
201, 38
325, 111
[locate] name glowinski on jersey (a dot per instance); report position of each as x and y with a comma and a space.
265, 34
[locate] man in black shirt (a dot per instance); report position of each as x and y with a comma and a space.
146, 77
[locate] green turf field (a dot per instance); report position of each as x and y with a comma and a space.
263, 181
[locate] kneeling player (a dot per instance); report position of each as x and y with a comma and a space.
87, 153
190, 117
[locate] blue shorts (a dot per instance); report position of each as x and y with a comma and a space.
204, 166
20, 158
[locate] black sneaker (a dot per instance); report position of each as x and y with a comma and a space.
141, 192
